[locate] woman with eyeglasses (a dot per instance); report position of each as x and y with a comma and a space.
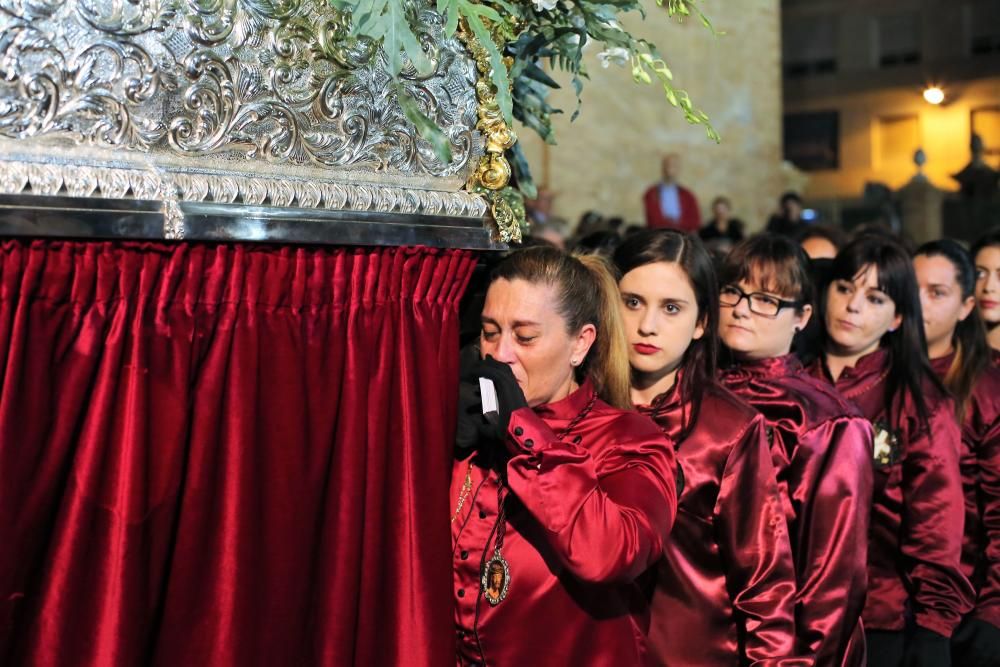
875, 355
820, 443
956, 344
724, 591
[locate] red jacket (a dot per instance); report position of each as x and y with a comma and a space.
980, 465
914, 554
690, 220
725, 591
822, 450
586, 517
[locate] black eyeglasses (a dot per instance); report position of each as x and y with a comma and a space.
760, 303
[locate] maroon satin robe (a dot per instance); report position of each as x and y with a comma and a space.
917, 506
980, 465
822, 451
727, 580
586, 516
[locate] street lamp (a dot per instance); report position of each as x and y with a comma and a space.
934, 95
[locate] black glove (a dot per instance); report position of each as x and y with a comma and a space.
510, 397
473, 426
925, 648
976, 644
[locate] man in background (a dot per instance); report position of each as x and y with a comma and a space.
669, 204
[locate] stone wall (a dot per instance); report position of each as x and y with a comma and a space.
607, 157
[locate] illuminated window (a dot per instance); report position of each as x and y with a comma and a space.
898, 139
986, 123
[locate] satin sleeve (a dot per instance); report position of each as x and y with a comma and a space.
753, 542
932, 520
607, 520
988, 459
832, 542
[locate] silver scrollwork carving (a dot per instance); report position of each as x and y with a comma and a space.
272, 81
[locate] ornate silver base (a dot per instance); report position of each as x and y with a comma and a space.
42, 195
79, 217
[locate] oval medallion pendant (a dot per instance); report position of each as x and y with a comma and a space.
496, 579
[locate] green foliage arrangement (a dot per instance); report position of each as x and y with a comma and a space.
528, 34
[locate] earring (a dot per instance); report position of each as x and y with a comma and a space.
573, 362
798, 329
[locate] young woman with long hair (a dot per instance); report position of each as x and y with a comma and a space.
960, 355
875, 354
724, 593
986, 255
562, 495
820, 443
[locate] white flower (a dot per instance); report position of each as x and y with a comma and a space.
617, 55
544, 5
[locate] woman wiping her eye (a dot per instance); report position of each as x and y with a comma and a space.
820, 443
563, 497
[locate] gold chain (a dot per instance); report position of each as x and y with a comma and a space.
464, 493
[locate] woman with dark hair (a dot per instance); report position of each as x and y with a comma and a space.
875, 354
562, 495
724, 593
956, 343
821, 445
986, 255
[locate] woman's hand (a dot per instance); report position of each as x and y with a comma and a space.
510, 397
473, 425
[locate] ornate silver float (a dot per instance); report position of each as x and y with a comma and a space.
230, 120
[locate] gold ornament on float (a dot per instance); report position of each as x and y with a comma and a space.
493, 172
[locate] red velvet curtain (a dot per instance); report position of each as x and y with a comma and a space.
226, 454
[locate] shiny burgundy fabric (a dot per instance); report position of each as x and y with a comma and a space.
980, 464
822, 451
727, 581
226, 454
917, 509
586, 517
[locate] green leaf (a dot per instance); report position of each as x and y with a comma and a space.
426, 128
538, 74
511, 9
449, 8
498, 70
522, 172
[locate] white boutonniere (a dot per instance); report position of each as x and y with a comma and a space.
886, 444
